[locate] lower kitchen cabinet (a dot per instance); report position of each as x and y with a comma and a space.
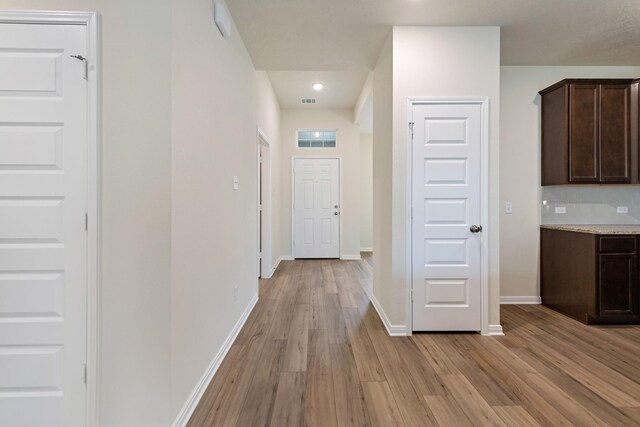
593, 278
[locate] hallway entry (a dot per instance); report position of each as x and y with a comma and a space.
316, 208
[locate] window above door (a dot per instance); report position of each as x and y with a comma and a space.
316, 138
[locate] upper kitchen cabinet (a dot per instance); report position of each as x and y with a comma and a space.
586, 132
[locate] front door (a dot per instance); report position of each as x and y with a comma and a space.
43, 241
446, 228
316, 208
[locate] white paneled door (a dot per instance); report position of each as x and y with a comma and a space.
446, 228
43, 242
316, 208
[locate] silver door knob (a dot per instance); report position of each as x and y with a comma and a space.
475, 228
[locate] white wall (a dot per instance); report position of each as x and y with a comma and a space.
136, 195
366, 191
520, 167
435, 62
217, 101
348, 146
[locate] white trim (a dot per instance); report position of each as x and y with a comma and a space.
94, 183
277, 264
293, 197
484, 201
194, 398
494, 331
366, 249
265, 225
521, 300
392, 330
351, 257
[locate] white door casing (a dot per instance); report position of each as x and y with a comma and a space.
447, 197
47, 249
316, 207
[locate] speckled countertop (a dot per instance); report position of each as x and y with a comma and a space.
595, 229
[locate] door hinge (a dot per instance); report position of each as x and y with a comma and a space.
411, 295
86, 64
84, 373
411, 129
86, 222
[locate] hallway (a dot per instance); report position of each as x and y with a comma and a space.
314, 352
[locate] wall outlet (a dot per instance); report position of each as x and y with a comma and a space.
508, 208
236, 183
561, 210
235, 294
623, 209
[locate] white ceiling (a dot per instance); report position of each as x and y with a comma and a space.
341, 88
348, 34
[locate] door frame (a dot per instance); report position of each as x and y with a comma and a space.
483, 102
266, 267
92, 21
293, 199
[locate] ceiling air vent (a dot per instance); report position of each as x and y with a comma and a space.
308, 101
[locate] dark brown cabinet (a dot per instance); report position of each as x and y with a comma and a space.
592, 278
586, 132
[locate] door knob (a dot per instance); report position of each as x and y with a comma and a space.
336, 213
475, 228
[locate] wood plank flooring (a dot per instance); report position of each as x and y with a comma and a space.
314, 352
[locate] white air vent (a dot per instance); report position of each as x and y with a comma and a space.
308, 101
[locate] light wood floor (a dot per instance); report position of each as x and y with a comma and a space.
314, 352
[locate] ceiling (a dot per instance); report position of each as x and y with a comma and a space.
343, 35
341, 88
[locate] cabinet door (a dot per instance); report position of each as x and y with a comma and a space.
583, 133
618, 285
615, 147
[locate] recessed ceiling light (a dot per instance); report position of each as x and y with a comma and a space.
317, 86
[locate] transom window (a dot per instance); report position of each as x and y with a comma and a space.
316, 138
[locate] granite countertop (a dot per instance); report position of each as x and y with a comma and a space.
595, 228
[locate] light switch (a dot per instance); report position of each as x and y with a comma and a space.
508, 208
561, 210
236, 183
623, 209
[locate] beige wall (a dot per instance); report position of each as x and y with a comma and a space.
366, 191
269, 122
180, 108
136, 196
382, 169
348, 146
520, 167
433, 62
218, 99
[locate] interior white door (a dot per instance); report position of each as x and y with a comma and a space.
446, 197
316, 208
43, 242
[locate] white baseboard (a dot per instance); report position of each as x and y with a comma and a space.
190, 405
350, 257
282, 258
366, 249
392, 330
495, 330
520, 300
